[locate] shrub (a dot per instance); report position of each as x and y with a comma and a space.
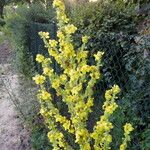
2, 22
94, 18
18, 24
39, 139
114, 28
74, 86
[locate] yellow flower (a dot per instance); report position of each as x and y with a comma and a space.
95, 75
56, 136
39, 79
108, 95
45, 95
116, 89
59, 4
46, 62
85, 68
97, 148
72, 73
110, 109
85, 39
104, 118
44, 35
61, 144
68, 50
108, 138
76, 89
42, 111
81, 55
66, 125
63, 77
52, 52
60, 35
89, 102
128, 128
94, 135
62, 17
74, 121
59, 118
86, 146
79, 105
47, 71
39, 58
82, 135
55, 84
67, 45
70, 29
123, 147
98, 56
53, 43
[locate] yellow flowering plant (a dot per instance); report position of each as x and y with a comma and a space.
75, 87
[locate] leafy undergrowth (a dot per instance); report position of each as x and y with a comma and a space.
39, 140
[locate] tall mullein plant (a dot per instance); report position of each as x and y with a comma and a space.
70, 86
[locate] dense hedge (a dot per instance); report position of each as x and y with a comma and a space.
113, 28
2, 22
19, 25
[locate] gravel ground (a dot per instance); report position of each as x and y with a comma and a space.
14, 136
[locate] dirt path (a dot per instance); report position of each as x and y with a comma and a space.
13, 135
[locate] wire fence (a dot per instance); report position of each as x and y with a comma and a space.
36, 45
126, 63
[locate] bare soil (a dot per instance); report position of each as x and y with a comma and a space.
13, 134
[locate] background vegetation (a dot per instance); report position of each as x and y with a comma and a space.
114, 27
18, 26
